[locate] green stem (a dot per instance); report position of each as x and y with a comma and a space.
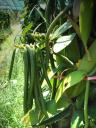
86, 104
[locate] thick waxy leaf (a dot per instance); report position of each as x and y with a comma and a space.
64, 27
63, 42
63, 103
56, 117
87, 65
72, 79
86, 19
76, 90
51, 108
34, 115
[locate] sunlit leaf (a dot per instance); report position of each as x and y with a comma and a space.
26, 119
63, 42
34, 115
70, 80
42, 5
52, 73
64, 27
26, 29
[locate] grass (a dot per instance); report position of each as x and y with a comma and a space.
11, 93
5, 33
11, 98
7, 47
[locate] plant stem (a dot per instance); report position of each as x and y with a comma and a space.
86, 104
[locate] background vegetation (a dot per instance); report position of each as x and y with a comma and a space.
57, 45
11, 93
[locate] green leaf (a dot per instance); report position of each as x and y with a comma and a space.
85, 64
26, 29
42, 4
70, 80
63, 42
52, 73
86, 19
76, 90
34, 116
64, 27
51, 108
55, 70
56, 117
63, 103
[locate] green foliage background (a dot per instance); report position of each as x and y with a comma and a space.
58, 48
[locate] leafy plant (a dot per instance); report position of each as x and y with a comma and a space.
59, 61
